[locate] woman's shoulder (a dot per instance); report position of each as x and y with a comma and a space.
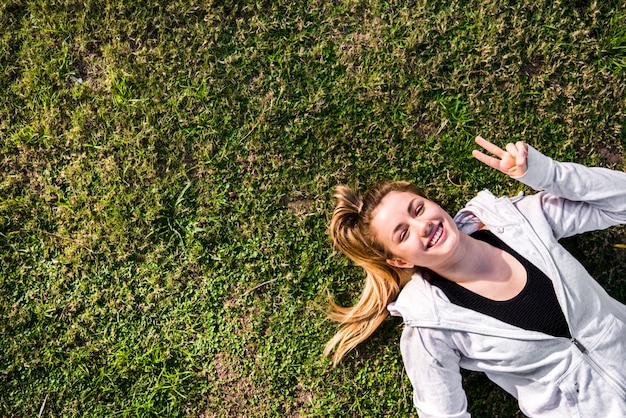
415, 301
488, 210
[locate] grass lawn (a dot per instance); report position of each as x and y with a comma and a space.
166, 175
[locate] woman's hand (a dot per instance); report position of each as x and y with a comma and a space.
511, 161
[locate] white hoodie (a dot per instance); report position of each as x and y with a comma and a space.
550, 376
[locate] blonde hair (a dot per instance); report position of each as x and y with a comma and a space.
350, 231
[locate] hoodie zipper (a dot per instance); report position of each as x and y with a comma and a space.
598, 366
578, 345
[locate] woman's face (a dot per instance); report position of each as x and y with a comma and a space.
417, 231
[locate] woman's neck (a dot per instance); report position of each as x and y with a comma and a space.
475, 260
487, 270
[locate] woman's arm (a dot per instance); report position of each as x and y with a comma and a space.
574, 198
433, 368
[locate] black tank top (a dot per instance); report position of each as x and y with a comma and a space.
534, 308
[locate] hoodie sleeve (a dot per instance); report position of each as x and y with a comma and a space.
433, 369
576, 198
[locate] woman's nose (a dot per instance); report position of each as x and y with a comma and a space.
429, 229
424, 227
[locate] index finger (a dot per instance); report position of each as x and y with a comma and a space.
492, 148
490, 161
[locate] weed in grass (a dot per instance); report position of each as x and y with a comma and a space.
613, 43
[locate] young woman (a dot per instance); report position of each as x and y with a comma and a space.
492, 289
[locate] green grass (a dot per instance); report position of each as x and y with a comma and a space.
166, 184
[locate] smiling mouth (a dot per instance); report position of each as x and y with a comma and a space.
436, 236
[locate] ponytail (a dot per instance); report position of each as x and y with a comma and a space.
351, 234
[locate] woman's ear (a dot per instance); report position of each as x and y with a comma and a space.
396, 262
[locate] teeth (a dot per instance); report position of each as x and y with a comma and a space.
436, 237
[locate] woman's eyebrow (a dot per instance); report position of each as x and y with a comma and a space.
396, 229
409, 211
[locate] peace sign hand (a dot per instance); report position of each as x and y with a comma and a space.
511, 161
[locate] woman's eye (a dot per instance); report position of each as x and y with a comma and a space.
419, 209
403, 235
